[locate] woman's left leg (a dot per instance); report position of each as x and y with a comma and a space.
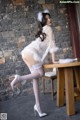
37, 106
36, 93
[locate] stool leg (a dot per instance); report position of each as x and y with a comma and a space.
43, 84
52, 87
77, 75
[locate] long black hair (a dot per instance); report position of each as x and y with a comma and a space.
41, 25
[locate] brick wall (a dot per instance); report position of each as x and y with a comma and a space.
18, 26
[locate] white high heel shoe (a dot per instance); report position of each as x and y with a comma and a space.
14, 81
39, 113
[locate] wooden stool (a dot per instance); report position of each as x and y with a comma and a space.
49, 76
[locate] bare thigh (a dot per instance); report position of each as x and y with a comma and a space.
28, 59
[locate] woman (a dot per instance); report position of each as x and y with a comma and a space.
35, 53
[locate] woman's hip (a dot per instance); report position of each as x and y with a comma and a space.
29, 59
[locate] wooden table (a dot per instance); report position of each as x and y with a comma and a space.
65, 80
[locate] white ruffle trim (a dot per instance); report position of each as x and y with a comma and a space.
46, 11
39, 16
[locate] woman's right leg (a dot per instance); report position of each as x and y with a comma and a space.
34, 75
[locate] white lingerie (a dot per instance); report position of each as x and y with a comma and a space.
39, 49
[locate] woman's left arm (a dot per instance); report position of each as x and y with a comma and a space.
51, 43
53, 47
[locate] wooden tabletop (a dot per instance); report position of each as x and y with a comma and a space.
62, 65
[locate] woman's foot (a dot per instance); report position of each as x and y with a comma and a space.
37, 109
15, 80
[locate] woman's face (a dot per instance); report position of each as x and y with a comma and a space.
49, 20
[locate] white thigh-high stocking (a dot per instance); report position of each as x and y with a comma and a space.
37, 107
36, 94
34, 75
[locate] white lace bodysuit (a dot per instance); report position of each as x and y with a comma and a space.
39, 49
